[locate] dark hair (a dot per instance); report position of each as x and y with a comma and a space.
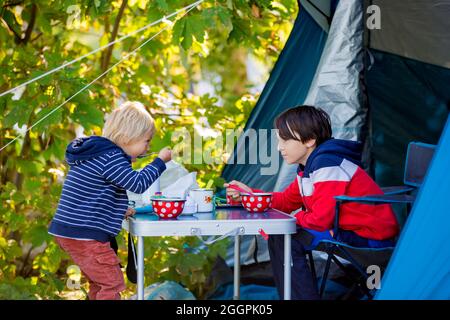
307, 122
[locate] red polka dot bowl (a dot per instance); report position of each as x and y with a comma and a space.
168, 208
232, 201
256, 202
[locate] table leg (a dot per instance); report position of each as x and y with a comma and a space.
287, 267
237, 267
140, 268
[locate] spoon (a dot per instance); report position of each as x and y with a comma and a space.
235, 187
146, 155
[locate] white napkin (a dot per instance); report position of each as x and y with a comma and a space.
190, 206
181, 187
175, 181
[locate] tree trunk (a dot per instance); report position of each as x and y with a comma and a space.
106, 58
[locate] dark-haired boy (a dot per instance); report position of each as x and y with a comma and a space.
327, 167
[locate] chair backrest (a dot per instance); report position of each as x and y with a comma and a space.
418, 158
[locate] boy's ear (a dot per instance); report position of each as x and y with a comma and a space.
311, 143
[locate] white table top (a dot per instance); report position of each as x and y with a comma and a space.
222, 221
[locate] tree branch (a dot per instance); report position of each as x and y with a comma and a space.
17, 37
12, 4
107, 56
37, 37
31, 23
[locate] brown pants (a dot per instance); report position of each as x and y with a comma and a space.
99, 264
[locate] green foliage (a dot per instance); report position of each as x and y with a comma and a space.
181, 259
210, 44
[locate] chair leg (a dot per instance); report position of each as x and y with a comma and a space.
350, 291
325, 274
361, 284
349, 257
312, 267
343, 268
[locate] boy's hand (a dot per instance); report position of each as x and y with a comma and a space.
234, 193
165, 154
130, 212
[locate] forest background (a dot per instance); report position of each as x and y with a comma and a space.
204, 73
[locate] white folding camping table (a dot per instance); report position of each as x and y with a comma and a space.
223, 222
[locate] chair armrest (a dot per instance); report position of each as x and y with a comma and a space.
397, 189
370, 199
378, 199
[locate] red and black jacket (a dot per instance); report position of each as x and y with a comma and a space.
333, 169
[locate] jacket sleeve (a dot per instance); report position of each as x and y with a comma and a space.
289, 199
320, 214
119, 172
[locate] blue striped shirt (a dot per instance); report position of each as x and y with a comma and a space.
94, 200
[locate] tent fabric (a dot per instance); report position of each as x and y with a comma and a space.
406, 87
409, 101
420, 265
336, 87
254, 249
416, 29
287, 87
320, 11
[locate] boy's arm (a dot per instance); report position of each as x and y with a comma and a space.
289, 199
118, 171
320, 216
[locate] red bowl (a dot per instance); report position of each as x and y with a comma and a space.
257, 202
231, 201
168, 208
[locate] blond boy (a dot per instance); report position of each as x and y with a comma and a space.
94, 202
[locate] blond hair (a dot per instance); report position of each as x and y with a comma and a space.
127, 123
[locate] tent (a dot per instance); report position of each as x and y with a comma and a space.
381, 69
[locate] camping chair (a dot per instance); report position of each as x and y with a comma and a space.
418, 158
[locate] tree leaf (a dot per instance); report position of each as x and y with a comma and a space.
37, 235
162, 4
32, 186
11, 20
178, 31
48, 116
20, 114
195, 27
43, 22
87, 115
29, 167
